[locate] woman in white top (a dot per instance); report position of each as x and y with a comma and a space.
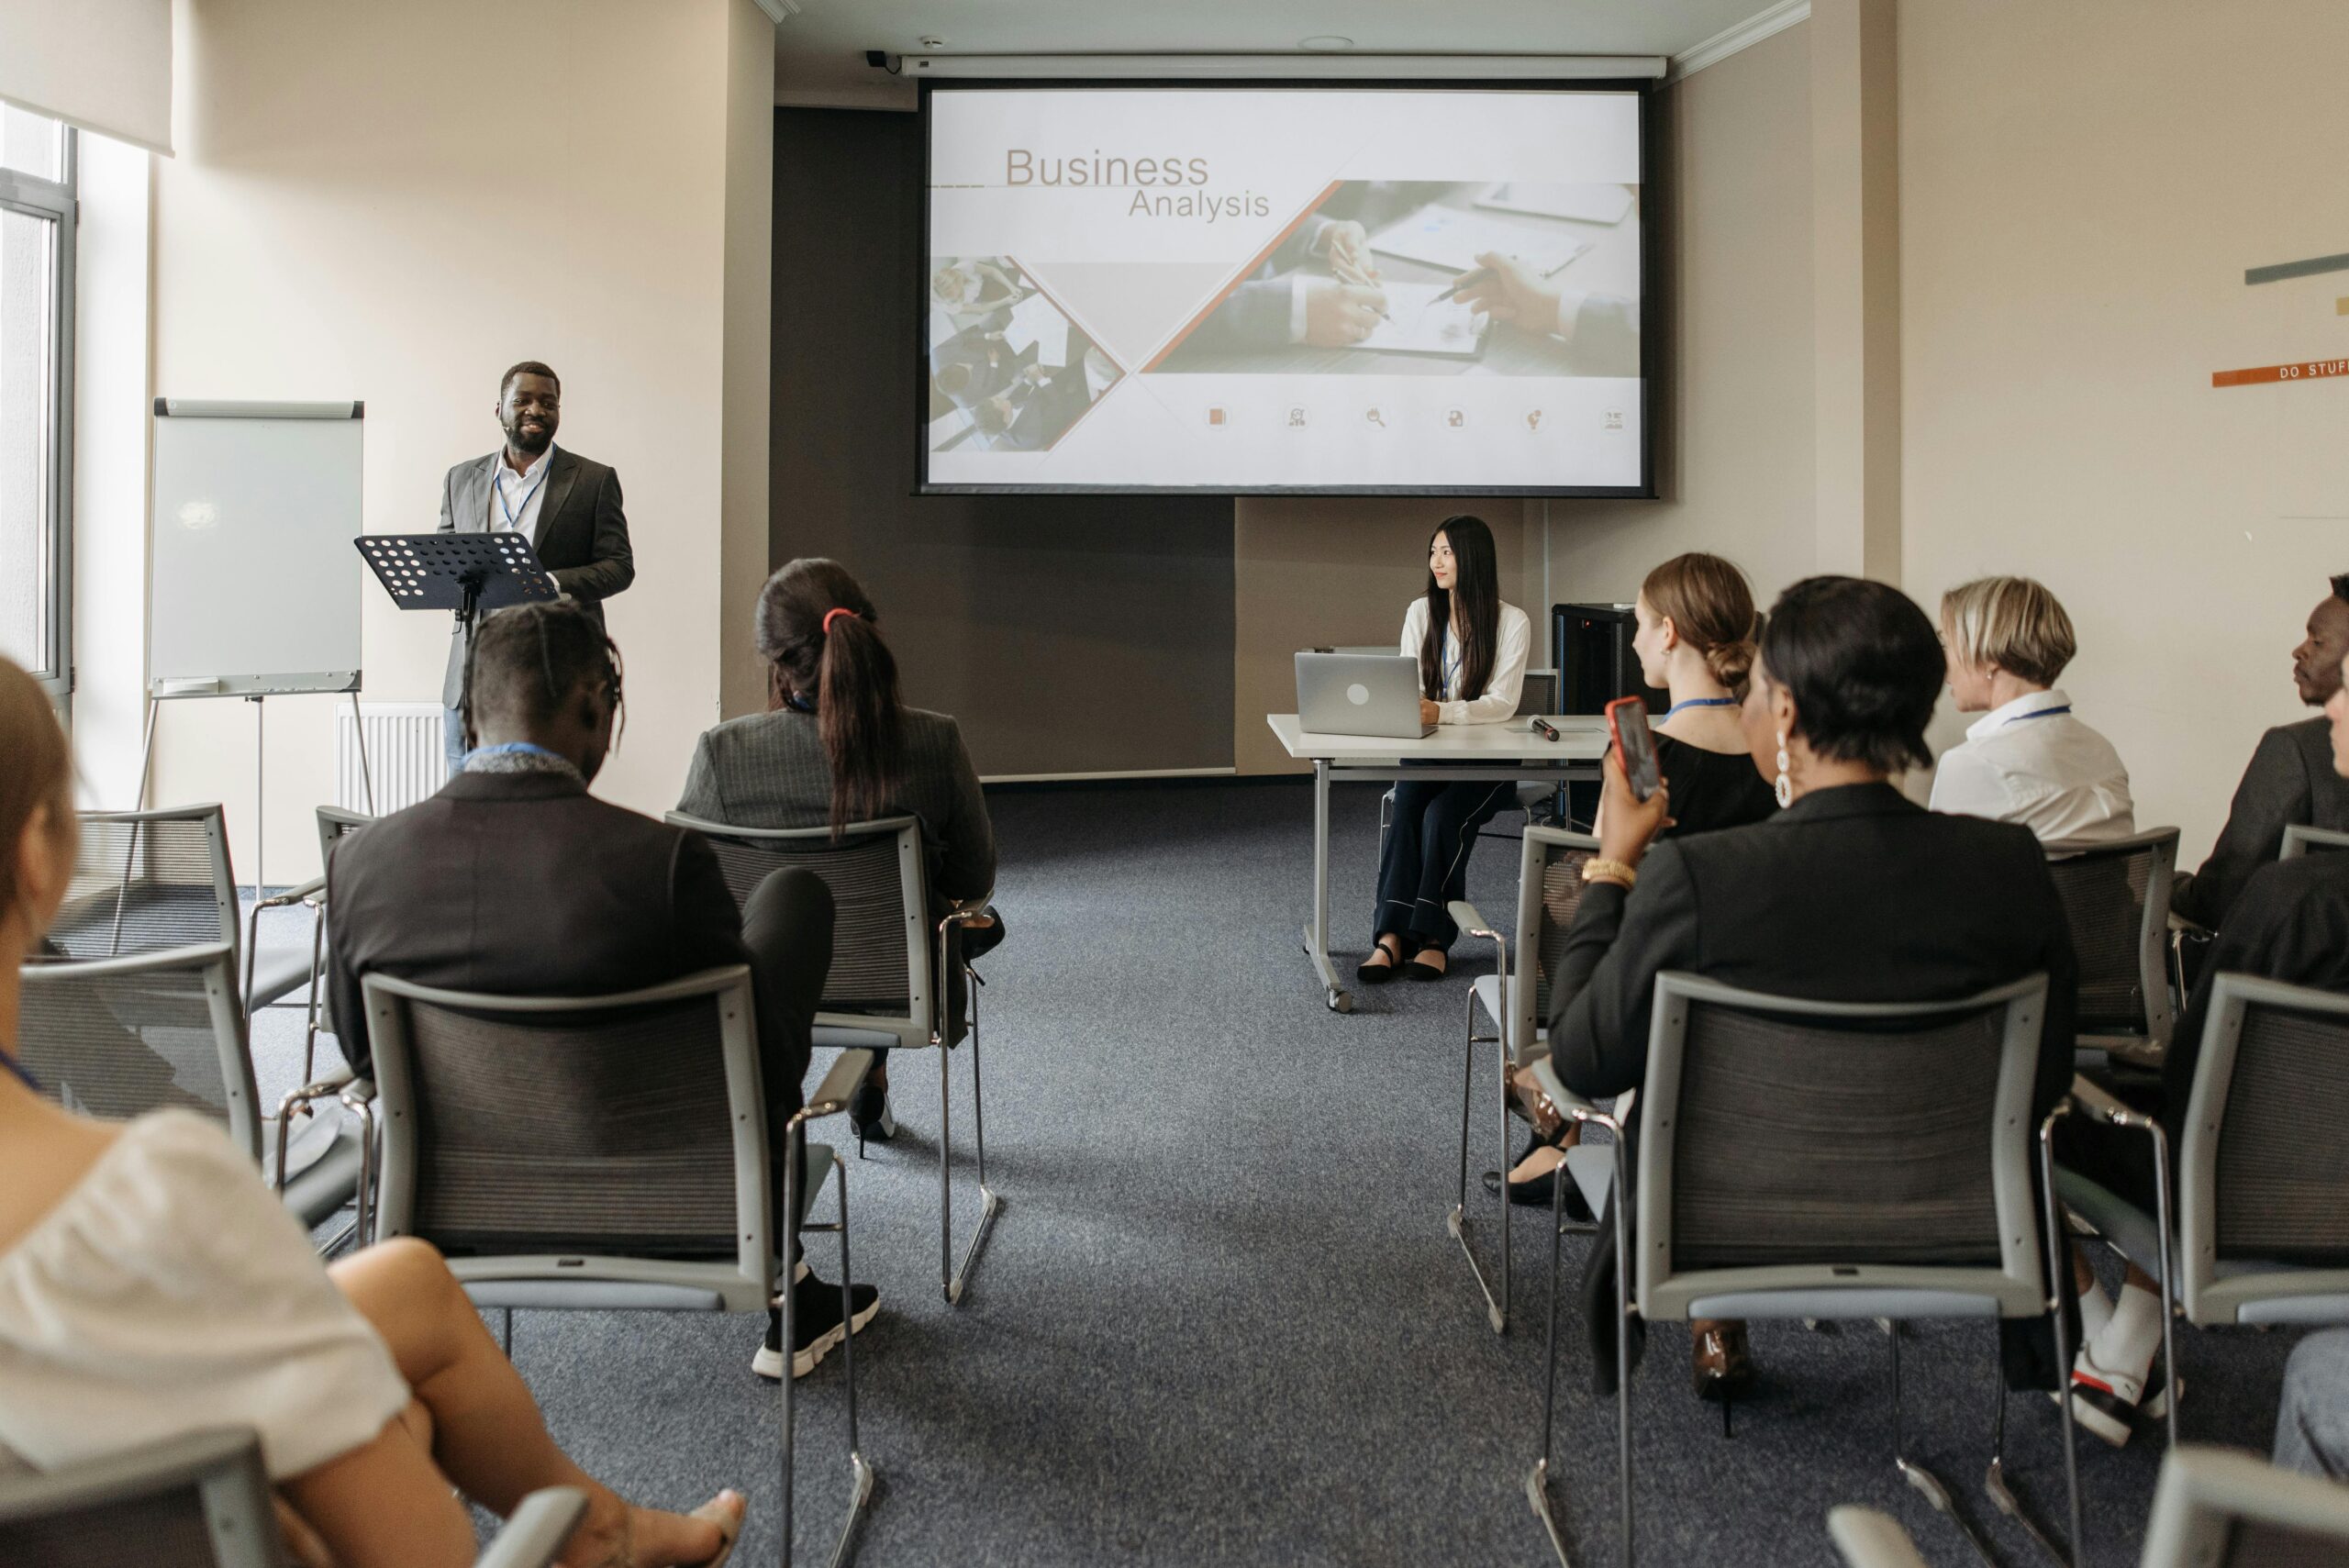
1471, 647
2029, 759
150, 1286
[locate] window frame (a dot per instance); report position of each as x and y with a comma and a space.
57, 200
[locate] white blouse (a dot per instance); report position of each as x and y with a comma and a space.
1499, 700
2031, 762
169, 1291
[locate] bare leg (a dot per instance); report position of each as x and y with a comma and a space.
486, 1430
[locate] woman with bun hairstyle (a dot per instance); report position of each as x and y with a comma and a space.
836, 746
1696, 640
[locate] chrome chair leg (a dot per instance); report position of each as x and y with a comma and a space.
863, 1476
1994, 1484
1457, 1221
1923, 1479
793, 1141
2059, 1264
950, 1278
1537, 1480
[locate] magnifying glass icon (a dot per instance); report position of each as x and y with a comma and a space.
1377, 418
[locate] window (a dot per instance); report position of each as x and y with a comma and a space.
35, 395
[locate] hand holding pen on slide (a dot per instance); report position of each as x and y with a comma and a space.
1339, 314
1347, 245
1509, 289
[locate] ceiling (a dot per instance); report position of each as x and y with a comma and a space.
820, 53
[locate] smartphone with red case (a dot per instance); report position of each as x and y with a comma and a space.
1626, 721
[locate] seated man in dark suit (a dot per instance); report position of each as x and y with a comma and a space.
2290, 922
514, 880
2290, 779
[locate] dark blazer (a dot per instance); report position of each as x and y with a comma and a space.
526, 884
581, 536
1849, 895
2290, 780
2291, 923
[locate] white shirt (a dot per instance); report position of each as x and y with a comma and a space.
2031, 762
169, 1291
515, 499
1499, 700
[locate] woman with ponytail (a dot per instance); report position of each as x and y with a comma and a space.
836, 746
1694, 640
1471, 647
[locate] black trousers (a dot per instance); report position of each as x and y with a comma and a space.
1424, 865
787, 926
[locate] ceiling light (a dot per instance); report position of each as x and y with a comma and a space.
931, 40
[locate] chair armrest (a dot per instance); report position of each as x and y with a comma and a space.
1866, 1538
1571, 1106
292, 896
333, 1083
2094, 1100
831, 1096
972, 914
538, 1530
2181, 926
1465, 916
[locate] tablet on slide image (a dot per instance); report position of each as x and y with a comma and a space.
1584, 203
1452, 238
1420, 324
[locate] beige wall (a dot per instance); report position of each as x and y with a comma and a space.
1341, 571
393, 203
1735, 417
2082, 187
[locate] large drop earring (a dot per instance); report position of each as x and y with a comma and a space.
1785, 787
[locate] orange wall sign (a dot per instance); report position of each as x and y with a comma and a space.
2300, 369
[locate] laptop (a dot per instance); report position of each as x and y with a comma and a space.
1359, 693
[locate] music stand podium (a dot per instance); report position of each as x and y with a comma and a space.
465, 572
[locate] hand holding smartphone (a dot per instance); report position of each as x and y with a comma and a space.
1627, 722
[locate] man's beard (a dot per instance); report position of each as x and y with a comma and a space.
522, 441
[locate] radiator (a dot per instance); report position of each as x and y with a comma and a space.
405, 755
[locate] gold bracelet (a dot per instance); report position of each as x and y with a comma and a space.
1617, 872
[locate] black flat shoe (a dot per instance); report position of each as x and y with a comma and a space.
1415, 970
1535, 1191
1371, 973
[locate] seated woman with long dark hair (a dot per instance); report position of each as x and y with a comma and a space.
151, 1287
1471, 647
1850, 894
836, 746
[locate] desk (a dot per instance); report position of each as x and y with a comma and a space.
1472, 752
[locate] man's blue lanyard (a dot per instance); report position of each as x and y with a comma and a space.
514, 515
509, 748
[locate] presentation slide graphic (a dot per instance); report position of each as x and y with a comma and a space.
1252, 289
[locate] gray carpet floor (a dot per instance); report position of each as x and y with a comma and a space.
1219, 1318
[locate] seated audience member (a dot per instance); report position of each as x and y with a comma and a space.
2290, 922
151, 1287
514, 880
2312, 1422
2029, 759
1852, 893
1696, 640
2290, 779
836, 746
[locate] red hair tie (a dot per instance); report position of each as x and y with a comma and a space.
830, 615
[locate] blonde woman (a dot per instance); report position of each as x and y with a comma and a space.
2029, 757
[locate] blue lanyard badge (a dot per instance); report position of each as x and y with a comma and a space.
512, 748
1698, 702
2042, 713
497, 488
1447, 675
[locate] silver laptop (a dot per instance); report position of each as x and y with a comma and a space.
1359, 693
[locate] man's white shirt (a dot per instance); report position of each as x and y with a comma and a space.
515, 499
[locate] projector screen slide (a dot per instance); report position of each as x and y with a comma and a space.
1396, 290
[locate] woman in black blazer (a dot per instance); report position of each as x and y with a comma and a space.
1850, 894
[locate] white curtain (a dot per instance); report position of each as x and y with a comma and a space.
105, 65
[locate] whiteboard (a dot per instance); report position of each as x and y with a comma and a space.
256, 585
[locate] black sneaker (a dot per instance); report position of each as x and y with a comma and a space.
869, 1116
817, 1330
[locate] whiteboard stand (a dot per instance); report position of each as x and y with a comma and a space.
248, 494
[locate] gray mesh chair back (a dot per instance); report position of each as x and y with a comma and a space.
197, 1501
2213, 1508
335, 824
594, 1151
1837, 1159
145, 880
120, 1037
2264, 1197
1549, 890
2300, 838
2116, 901
880, 990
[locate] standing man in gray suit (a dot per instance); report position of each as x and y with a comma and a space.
569, 506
